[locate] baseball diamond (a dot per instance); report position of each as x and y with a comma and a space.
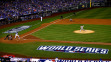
54, 31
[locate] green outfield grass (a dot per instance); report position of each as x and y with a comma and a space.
29, 49
98, 13
65, 33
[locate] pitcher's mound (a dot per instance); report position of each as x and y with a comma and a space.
84, 32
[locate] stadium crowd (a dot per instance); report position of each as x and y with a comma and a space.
25, 7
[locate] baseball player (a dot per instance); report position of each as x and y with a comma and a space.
70, 19
10, 37
61, 17
81, 28
56, 59
16, 35
41, 19
74, 13
7, 37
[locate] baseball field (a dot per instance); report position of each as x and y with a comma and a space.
53, 31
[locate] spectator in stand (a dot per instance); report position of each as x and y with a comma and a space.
26, 7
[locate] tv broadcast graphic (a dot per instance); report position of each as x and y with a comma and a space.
55, 31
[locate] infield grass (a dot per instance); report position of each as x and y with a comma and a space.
65, 33
29, 49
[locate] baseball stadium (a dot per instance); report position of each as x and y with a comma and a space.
63, 29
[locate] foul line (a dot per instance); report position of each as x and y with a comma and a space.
45, 26
37, 23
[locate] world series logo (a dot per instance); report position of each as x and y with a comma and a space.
17, 29
73, 49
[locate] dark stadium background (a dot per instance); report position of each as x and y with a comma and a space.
108, 2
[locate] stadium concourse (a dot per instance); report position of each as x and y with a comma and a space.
25, 38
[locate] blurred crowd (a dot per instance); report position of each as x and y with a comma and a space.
25, 7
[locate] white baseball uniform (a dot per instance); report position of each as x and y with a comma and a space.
16, 35
81, 28
41, 19
56, 59
70, 19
